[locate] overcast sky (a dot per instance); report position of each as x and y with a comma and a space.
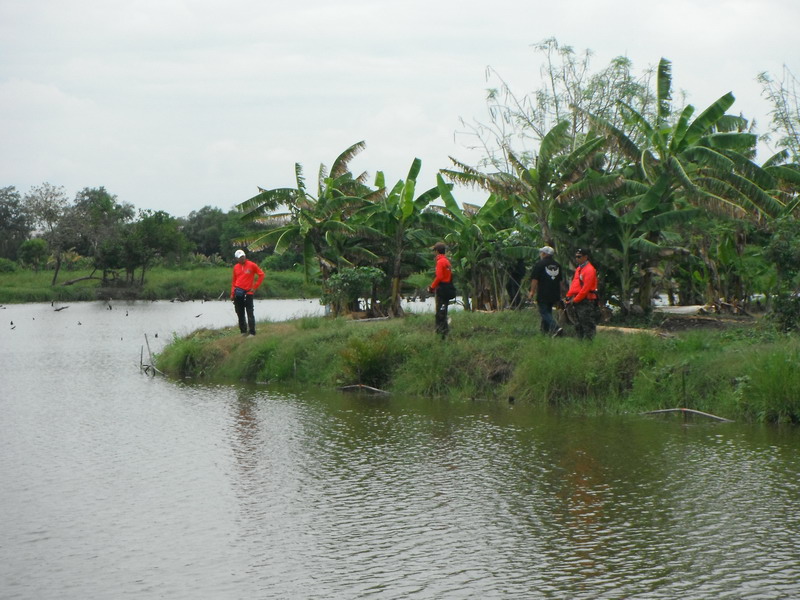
179, 104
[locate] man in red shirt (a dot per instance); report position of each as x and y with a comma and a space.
582, 296
442, 287
247, 277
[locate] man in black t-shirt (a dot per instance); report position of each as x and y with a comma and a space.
546, 284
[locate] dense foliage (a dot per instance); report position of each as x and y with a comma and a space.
672, 201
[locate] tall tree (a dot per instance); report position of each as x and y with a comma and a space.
155, 234
204, 228
99, 222
15, 222
48, 205
400, 219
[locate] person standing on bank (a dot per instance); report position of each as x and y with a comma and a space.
582, 295
442, 287
546, 282
247, 277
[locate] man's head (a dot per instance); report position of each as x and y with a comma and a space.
439, 247
240, 256
581, 255
546, 251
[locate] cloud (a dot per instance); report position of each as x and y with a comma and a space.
177, 104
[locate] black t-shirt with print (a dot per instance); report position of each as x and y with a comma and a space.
548, 273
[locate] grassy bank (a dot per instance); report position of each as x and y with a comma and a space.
160, 283
743, 372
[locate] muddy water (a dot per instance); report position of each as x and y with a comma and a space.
117, 484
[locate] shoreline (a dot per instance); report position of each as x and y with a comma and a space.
737, 369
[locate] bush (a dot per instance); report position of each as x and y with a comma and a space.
346, 287
373, 359
7, 266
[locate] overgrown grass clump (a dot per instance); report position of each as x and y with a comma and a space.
748, 372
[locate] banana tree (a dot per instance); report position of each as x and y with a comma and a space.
558, 176
476, 256
703, 162
320, 224
403, 225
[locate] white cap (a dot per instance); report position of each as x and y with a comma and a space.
238, 254
547, 250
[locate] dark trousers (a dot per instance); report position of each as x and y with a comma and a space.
441, 315
548, 323
585, 325
244, 304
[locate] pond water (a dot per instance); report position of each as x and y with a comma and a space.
118, 484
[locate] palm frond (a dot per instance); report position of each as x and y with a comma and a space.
721, 204
645, 246
776, 159
731, 123
757, 197
733, 195
739, 142
279, 219
746, 167
285, 239
671, 218
785, 173
706, 120
664, 92
340, 165
451, 206
426, 198
630, 187
676, 168
259, 241
680, 127
578, 160
413, 171
265, 201
554, 141
590, 187
522, 171
626, 146
707, 157
299, 177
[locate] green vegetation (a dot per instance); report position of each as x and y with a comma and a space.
671, 200
207, 282
745, 370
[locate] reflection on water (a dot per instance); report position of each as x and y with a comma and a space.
118, 484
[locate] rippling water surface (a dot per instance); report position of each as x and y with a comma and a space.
116, 484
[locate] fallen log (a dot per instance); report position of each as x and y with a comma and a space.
687, 410
360, 387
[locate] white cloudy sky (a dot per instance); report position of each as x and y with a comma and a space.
179, 104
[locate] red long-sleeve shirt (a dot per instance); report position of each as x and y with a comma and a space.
443, 271
244, 275
584, 283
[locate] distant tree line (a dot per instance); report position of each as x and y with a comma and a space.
46, 229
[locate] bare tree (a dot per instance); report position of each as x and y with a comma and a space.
784, 95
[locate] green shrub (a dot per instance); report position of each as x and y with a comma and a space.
7, 266
371, 359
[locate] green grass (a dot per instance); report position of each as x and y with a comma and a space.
160, 283
746, 373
